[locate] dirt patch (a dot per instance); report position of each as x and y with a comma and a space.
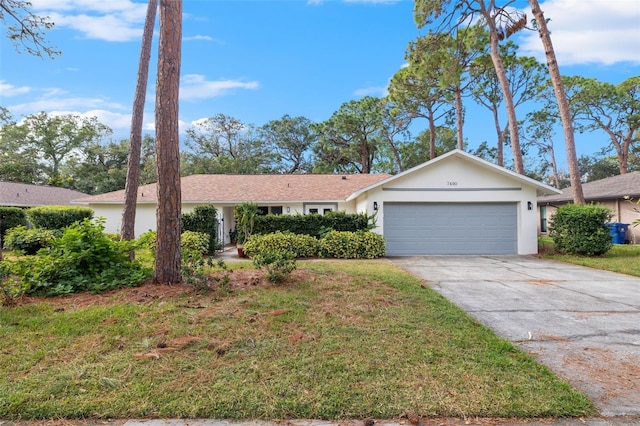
148, 292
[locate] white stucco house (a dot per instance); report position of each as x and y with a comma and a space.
454, 204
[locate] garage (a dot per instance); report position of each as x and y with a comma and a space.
450, 228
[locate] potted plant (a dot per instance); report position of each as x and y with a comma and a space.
233, 236
245, 220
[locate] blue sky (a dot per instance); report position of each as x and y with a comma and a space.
258, 60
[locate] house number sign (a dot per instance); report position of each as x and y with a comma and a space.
452, 183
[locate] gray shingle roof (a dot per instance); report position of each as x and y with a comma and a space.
25, 195
613, 187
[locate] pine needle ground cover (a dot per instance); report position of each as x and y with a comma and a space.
339, 339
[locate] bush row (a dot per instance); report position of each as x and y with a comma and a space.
335, 244
312, 224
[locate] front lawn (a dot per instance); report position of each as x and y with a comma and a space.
623, 258
340, 339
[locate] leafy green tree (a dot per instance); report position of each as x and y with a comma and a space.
290, 140
394, 135
539, 133
25, 29
102, 168
18, 162
449, 16
613, 109
417, 151
58, 139
223, 144
450, 55
349, 139
526, 76
416, 90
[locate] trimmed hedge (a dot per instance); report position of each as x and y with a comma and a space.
337, 244
10, 217
297, 244
57, 217
581, 229
203, 219
312, 224
191, 242
352, 245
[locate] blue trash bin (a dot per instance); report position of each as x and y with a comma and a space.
618, 232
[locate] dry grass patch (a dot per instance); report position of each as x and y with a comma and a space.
348, 339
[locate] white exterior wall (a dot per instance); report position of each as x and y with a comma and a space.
459, 181
145, 217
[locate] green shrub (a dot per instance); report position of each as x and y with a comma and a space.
203, 219
194, 244
581, 229
313, 224
352, 245
278, 264
57, 217
28, 241
298, 245
191, 243
83, 258
148, 240
10, 217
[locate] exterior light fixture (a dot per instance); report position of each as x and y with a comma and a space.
529, 205
375, 205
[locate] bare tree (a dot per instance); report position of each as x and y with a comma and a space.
167, 263
563, 104
135, 138
27, 32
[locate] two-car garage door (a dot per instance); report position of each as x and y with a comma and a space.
450, 228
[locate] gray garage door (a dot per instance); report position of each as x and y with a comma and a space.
450, 228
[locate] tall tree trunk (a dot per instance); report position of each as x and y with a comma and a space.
459, 119
563, 104
167, 263
135, 138
508, 99
432, 136
500, 134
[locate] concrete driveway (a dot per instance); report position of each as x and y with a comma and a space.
582, 323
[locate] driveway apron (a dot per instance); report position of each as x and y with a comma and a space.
584, 324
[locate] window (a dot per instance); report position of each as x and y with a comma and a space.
326, 211
313, 211
263, 210
276, 209
543, 218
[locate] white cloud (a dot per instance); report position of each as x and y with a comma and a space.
64, 104
199, 37
116, 20
588, 32
195, 86
8, 90
377, 91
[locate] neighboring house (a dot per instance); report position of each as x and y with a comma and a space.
454, 204
614, 193
25, 195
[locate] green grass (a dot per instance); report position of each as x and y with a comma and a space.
354, 339
622, 258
